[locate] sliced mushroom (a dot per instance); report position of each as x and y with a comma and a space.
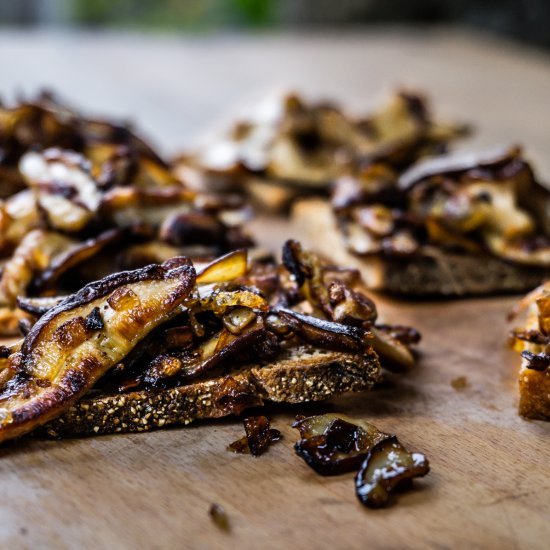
224, 269
62, 357
219, 348
33, 255
39, 305
128, 206
64, 187
335, 444
325, 334
19, 215
72, 256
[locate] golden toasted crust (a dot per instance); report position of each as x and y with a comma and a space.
305, 376
534, 393
435, 272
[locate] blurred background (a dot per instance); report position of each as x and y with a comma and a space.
182, 69
525, 20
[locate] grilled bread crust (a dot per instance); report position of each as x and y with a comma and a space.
304, 375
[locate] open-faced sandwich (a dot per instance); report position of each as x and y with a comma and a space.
450, 225
290, 147
82, 198
171, 343
533, 341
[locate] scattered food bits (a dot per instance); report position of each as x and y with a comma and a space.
219, 517
460, 383
332, 444
259, 436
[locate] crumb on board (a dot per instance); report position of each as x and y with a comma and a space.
219, 516
459, 383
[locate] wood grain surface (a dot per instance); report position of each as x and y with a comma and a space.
489, 485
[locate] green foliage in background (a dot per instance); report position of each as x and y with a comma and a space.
173, 14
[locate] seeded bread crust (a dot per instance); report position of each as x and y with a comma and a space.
434, 273
307, 375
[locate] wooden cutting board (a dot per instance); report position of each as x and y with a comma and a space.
489, 485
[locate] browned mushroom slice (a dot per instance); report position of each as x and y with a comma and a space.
259, 436
334, 444
18, 216
325, 334
394, 354
33, 255
64, 187
64, 354
387, 467
219, 348
227, 268
7, 369
127, 206
72, 256
192, 227
37, 306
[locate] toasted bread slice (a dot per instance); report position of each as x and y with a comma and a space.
304, 375
534, 393
434, 272
531, 339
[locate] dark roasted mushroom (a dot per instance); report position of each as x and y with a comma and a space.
333, 444
325, 334
387, 467
536, 361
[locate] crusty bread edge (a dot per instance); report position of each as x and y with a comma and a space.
312, 376
313, 220
534, 393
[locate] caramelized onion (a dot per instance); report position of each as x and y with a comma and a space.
259, 436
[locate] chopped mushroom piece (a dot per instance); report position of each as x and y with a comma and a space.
335, 444
387, 467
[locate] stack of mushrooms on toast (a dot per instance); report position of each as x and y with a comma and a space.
289, 147
452, 225
82, 198
171, 343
